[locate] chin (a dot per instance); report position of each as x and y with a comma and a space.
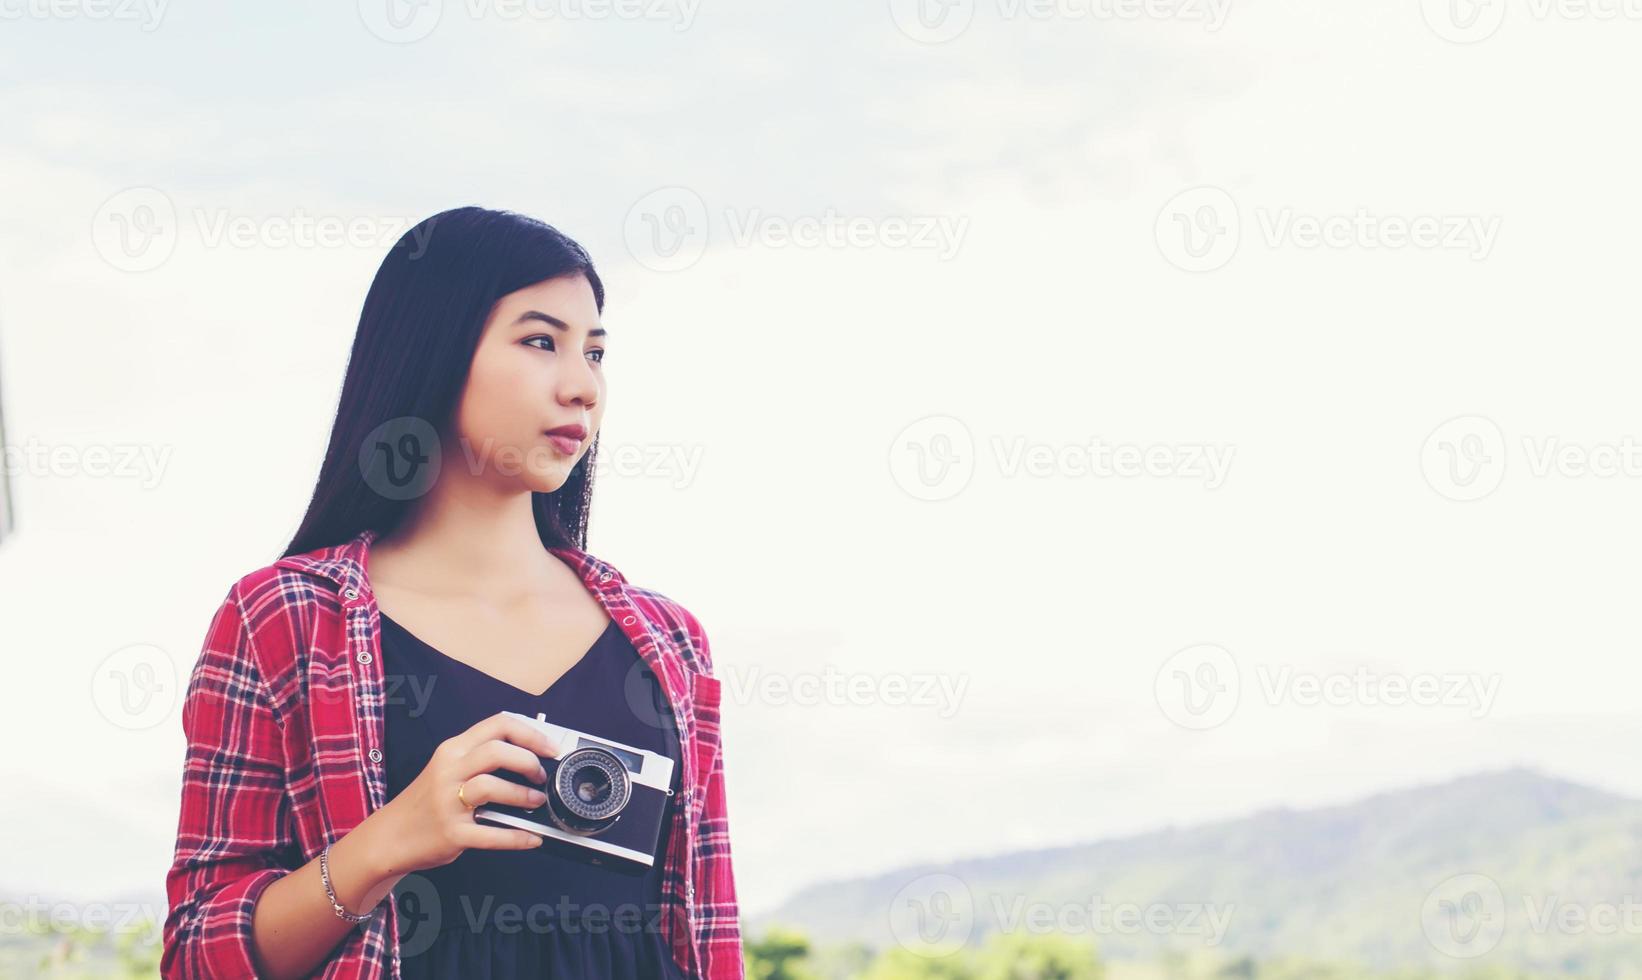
548, 480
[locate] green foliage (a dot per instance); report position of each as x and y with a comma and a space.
845, 961
779, 954
785, 953
76, 952
1011, 956
902, 964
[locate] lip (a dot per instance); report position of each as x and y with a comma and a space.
567, 438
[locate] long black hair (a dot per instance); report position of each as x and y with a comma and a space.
418, 331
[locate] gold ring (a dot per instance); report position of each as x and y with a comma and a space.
464, 800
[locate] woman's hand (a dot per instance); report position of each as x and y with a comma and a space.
431, 826
425, 826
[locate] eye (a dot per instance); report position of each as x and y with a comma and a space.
596, 353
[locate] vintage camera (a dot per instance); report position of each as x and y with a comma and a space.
603, 798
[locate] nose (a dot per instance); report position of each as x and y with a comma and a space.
579, 383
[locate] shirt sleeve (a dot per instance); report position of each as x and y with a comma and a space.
234, 808
717, 911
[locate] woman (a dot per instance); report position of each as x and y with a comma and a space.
359, 699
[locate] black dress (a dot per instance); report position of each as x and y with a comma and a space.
542, 912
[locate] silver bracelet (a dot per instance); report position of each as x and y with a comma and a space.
336, 906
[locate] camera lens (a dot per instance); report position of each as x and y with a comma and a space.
590, 789
592, 785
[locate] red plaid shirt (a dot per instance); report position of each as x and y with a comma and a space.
284, 721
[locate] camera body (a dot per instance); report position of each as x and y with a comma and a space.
605, 798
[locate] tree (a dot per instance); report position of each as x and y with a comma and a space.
779, 954
1012, 956
903, 964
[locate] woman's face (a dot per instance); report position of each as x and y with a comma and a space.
537, 368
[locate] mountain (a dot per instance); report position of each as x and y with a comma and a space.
1509, 868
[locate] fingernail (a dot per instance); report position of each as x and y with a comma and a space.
536, 797
541, 775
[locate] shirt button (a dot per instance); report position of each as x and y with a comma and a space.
364, 657
375, 754
605, 577
350, 593
628, 621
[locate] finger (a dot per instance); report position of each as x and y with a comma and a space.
486, 788
492, 838
509, 728
494, 755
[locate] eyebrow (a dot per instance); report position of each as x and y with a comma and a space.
556, 322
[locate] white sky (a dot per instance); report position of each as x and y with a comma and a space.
1052, 602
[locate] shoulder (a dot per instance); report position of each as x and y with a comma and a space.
681, 624
278, 612
671, 616
274, 581
666, 610
280, 590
